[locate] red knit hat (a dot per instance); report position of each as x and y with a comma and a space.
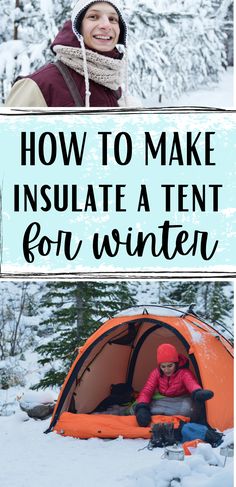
167, 353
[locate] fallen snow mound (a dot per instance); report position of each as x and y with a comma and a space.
38, 405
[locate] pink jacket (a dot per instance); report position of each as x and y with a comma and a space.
180, 383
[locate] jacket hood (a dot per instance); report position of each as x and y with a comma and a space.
183, 363
66, 37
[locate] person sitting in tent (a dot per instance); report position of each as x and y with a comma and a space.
176, 387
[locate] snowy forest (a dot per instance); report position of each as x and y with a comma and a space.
175, 46
42, 324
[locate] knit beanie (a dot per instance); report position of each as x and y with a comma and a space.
167, 353
78, 14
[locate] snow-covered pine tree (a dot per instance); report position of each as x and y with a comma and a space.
213, 300
184, 292
76, 310
18, 328
29, 28
215, 303
174, 48
148, 293
163, 296
17, 305
218, 300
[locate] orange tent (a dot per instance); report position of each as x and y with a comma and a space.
123, 350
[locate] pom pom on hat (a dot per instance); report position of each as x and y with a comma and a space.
167, 353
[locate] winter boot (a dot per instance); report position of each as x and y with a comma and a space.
162, 435
156, 438
168, 436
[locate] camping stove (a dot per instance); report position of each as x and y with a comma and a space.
174, 452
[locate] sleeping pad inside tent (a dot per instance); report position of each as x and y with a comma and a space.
120, 355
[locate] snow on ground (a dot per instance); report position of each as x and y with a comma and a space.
33, 459
218, 96
31, 373
30, 458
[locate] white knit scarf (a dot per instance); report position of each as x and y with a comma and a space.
103, 70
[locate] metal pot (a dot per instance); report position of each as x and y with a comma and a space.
227, 451
174, 452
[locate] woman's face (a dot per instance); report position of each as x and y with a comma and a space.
168, 368
100, 27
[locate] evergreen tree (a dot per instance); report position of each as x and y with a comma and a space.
175, 47
28, 28
76, 310
213, 300
17, 302
163, 293
218, 303
18, 328
184, 292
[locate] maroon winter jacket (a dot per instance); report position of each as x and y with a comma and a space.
179, 383
54, 88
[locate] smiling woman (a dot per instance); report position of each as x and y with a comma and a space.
90, 62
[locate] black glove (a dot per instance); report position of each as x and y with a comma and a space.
202, 395
143, 414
